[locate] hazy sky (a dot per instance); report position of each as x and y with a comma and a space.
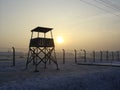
83, 25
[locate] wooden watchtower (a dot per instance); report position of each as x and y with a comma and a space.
41, 48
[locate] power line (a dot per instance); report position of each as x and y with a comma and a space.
105, 4
109, 5
91, 4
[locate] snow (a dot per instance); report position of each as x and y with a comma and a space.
96, 81
69, 77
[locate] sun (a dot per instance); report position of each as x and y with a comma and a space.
60, 40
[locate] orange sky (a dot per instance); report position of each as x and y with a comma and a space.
80, 25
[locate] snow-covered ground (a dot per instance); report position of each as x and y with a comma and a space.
69, 77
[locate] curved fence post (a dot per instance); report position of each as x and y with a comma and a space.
75, 56
84, 55
118, 57
112, 56
63, 56
107, 55
13, 56
101, 56
93, 56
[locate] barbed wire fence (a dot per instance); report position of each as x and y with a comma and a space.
63, 56
108, 58
12, 55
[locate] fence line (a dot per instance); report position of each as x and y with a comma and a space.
77, 55
95, 57
87, 56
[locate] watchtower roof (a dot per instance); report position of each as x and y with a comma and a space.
41, 29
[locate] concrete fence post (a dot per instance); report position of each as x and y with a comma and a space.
107, 56
93, 56
75, 56
63, 56
112, 56
13, 56
118, 57
101, 56
84, 55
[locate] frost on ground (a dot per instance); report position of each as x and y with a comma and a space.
69, 77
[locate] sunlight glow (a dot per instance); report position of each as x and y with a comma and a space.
60, 39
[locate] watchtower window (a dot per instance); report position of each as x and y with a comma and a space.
38, 35
41, 42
